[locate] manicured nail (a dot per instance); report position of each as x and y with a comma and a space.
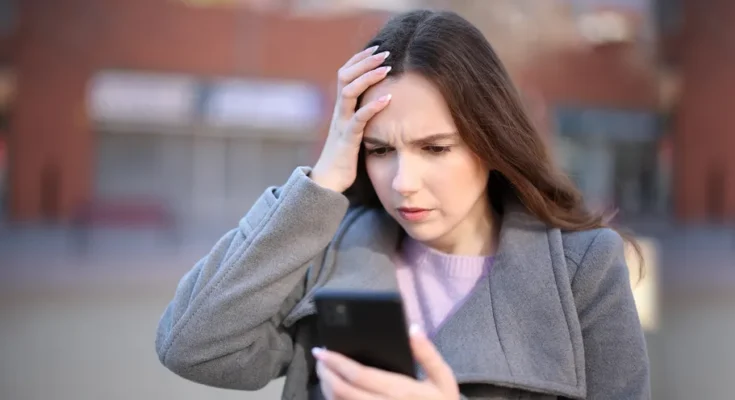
318, 352
414, 330
387, 69
385, 99
384, 55
372, 50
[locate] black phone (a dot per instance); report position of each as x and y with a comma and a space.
367, 326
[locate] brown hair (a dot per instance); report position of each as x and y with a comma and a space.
455, 56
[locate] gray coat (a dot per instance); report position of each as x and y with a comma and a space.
555, 318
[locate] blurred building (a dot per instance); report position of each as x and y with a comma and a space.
698, 50
588, 72
199, 105
196, 106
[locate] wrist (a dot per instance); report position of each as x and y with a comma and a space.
324, 182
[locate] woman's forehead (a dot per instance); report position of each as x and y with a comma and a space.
416, 109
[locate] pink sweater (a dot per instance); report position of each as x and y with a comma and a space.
434, 284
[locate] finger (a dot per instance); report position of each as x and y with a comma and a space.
371, 380
351, 92
335, 387
346, 75
360, 56
431, 360
366, 112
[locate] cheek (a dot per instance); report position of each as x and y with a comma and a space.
459, 179
377, 172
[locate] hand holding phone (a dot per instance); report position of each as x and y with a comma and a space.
368, 327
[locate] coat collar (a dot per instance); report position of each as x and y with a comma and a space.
518, 328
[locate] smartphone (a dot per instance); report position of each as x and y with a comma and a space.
366, 326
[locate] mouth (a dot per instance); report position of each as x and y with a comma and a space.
413, 214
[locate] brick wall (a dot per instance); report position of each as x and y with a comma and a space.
61, 44
704, 127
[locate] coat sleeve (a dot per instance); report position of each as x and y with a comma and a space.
616, 359
223, 326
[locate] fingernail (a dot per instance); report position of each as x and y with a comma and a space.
384, 54
414, 330
385, 99
318, 352
387, 69
372, 50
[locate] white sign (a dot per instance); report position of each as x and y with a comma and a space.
337, 6
162, 99
171, 100
646, 287
278, 105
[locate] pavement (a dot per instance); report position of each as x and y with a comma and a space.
81, 324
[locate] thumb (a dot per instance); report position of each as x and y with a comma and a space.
431, 360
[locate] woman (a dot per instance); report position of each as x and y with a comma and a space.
433, 182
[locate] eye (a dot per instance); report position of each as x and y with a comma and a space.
437, 149
378, 151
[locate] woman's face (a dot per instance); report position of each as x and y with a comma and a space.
424, 174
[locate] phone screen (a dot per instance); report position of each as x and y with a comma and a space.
368, 327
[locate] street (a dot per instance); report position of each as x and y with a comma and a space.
82, 327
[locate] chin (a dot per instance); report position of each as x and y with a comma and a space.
423, 234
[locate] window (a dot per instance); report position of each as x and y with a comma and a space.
669, 15
613, 156
8, 13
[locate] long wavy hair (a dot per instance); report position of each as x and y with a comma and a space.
454, 55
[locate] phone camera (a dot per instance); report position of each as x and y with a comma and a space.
338, 315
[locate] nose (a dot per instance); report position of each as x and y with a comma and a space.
406, 180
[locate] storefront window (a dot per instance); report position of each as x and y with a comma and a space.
8, 16
615, 158
205, 149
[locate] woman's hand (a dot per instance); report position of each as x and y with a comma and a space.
344, 379
336, 168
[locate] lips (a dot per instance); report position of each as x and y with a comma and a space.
413, 214
411, 209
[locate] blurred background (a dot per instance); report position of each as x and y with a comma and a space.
133, 133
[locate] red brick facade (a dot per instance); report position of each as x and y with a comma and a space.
704, 127
599, 76
61, 44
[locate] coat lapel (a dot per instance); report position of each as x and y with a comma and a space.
360, 258
518, 328
513, 329
363, 260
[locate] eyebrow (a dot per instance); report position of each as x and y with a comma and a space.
420, 141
